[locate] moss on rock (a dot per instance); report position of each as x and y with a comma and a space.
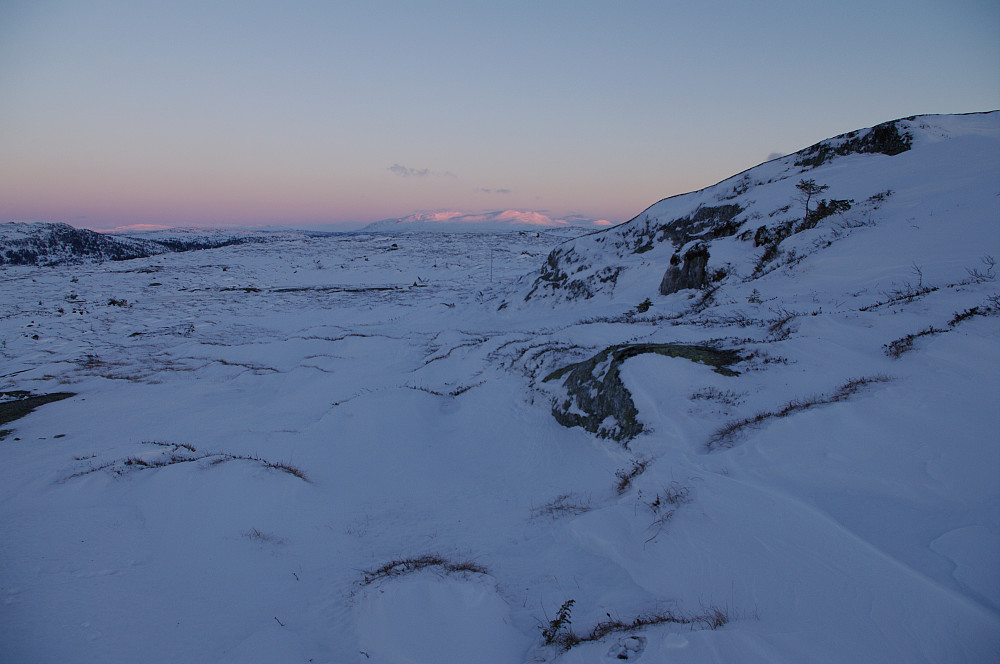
597, 399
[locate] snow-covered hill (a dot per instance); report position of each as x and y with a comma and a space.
50, 244
40, 243
756, 222
450, 448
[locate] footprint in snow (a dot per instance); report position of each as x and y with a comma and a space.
628, 648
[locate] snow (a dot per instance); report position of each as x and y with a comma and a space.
406, 387
439, 620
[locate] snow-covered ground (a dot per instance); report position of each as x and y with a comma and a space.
343, 448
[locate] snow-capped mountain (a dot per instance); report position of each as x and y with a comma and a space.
757, 423
454, 221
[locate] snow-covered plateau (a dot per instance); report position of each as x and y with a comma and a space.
757, 423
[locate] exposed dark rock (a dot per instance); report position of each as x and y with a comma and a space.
599, 402
882, 139
17, 404
691, 272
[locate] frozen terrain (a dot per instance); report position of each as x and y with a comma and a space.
421, 447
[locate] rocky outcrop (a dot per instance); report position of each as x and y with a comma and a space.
596, 399
689, 270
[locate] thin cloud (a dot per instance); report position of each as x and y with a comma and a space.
404, 172
493, 191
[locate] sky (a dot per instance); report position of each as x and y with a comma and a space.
209, 113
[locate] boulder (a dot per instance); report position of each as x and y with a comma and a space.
687, 271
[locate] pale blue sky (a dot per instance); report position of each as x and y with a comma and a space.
210, 113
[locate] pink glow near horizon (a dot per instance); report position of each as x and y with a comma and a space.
117, 114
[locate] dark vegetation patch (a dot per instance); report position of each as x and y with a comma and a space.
895, 349
596, 393
725, 436
559, 631
565, 504
179, 453
904, 344
15, 405
341, 289
461, 389
625, 476
402, 566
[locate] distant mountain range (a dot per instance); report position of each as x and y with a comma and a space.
454, 221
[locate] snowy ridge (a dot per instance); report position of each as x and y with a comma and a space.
372, 448
853, 166
52, 244
41, 243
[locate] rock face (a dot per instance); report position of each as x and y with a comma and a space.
596, 399
691, 271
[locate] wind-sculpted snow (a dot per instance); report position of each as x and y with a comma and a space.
343, 448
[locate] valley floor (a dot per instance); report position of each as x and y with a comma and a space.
338, 449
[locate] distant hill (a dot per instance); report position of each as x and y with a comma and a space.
453, 221
56, 243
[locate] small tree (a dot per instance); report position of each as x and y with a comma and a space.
558, 631
809, 189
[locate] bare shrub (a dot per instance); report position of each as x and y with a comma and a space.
559, 632
665, 504
565, 504
402, 566
724, 437
626, 475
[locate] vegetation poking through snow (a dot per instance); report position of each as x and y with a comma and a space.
403, 566
260, 536
895, 349
904, 344
725, 436
565, 504
558, 628
461, 389
728, 397
665, 504
559, 632
179, 453
627, 475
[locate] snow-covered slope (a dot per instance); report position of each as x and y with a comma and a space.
372, 448
755, 222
